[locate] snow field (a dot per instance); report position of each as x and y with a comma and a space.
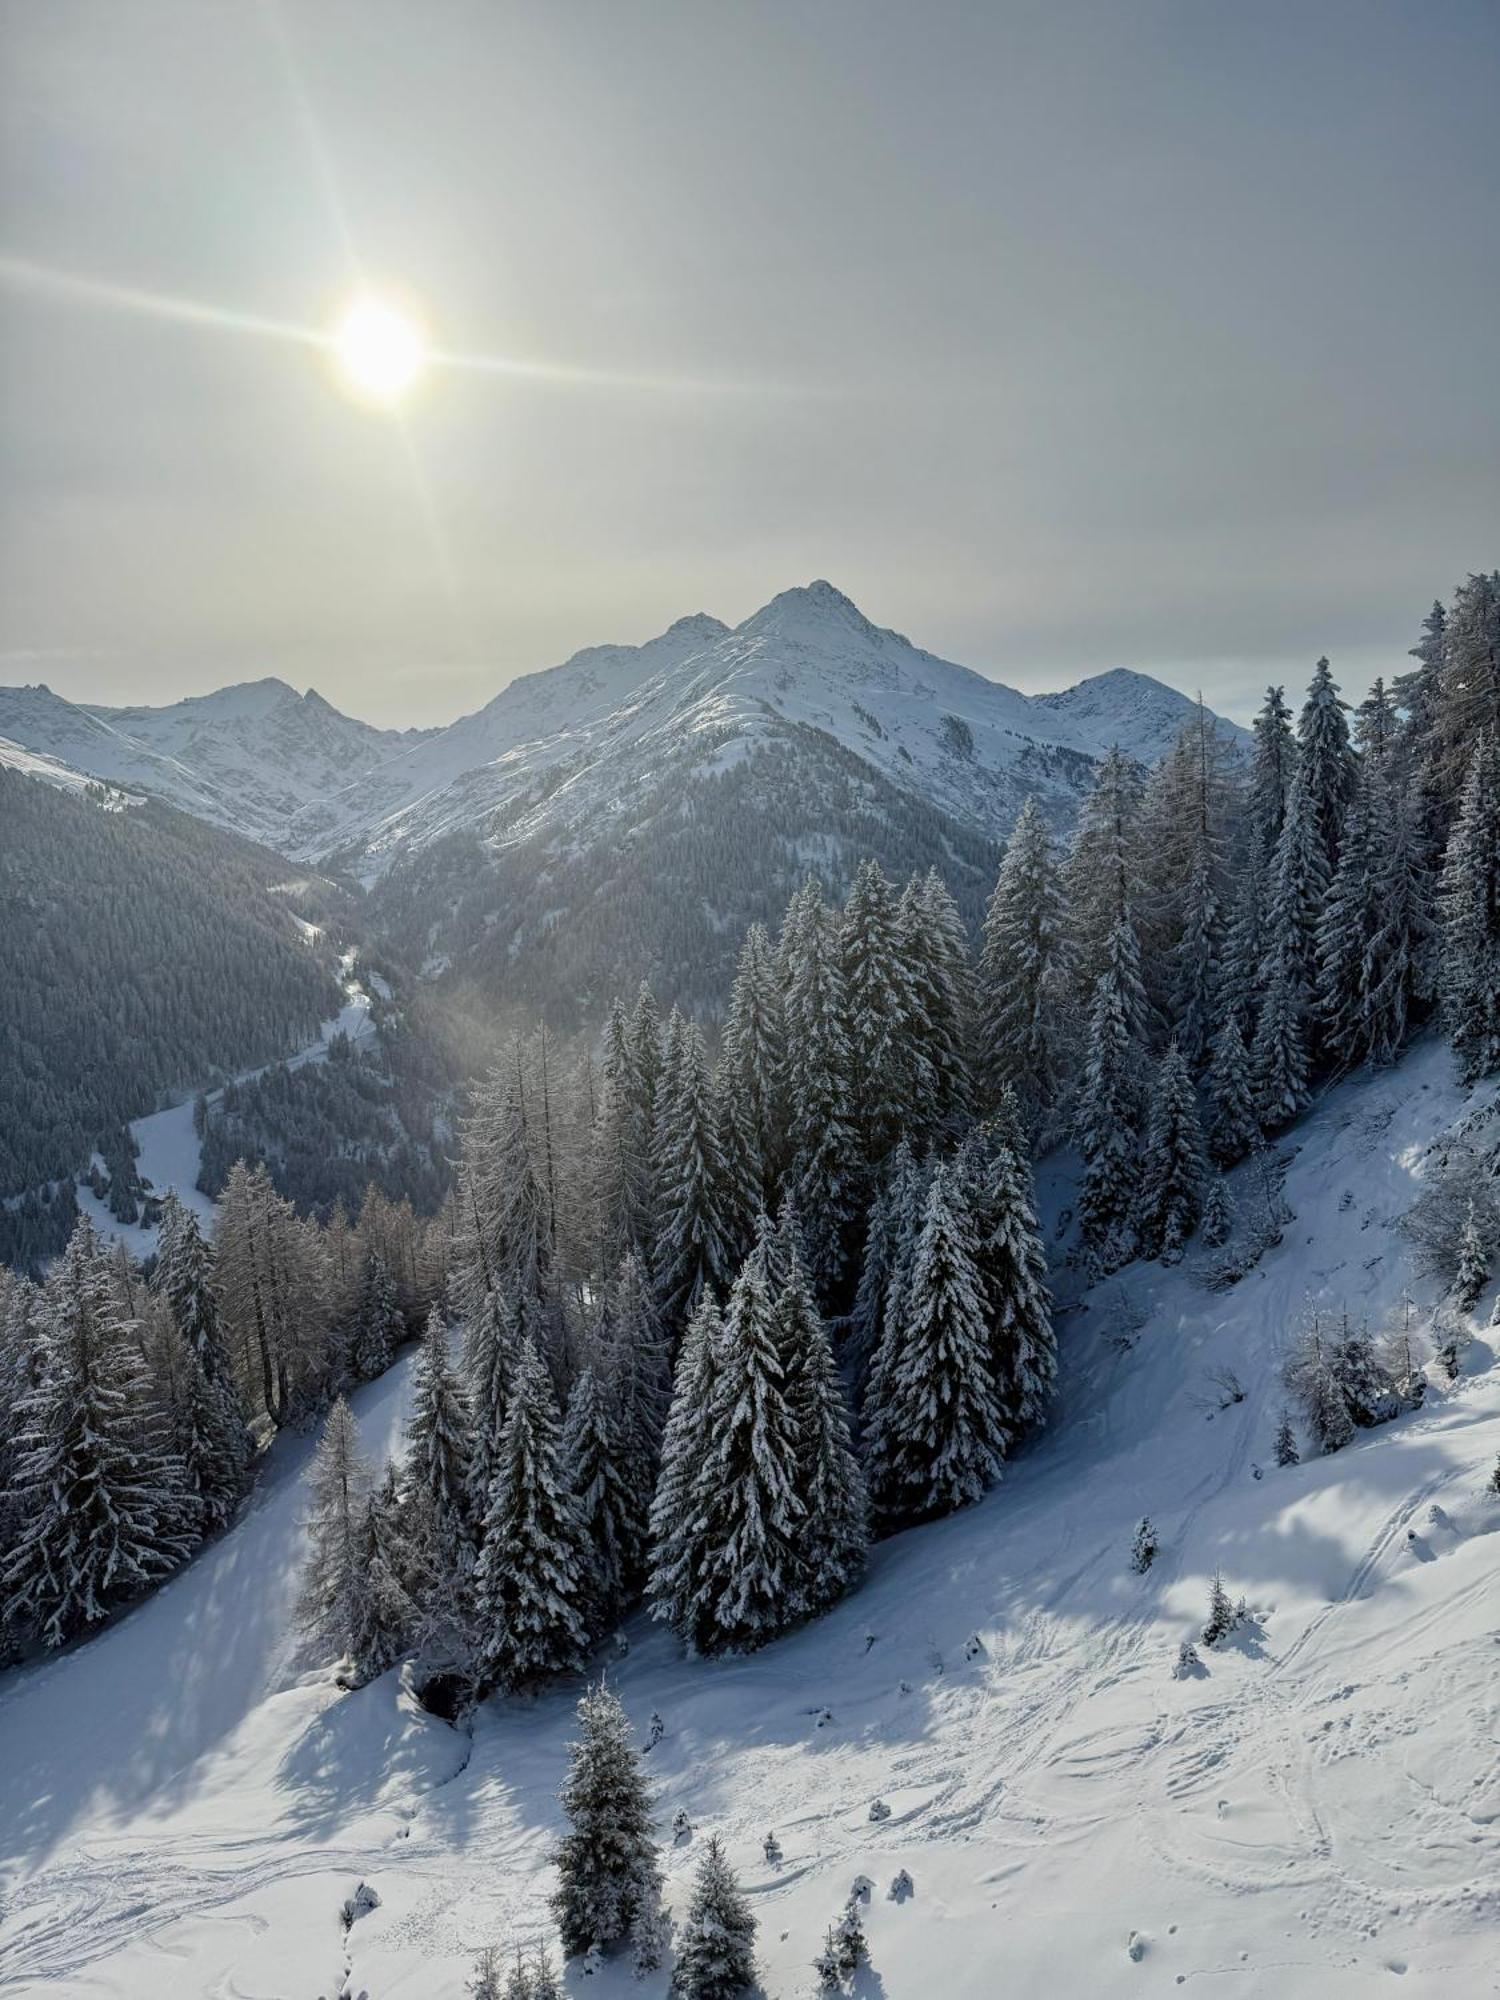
1317, 1814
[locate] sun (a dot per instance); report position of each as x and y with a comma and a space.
380, 351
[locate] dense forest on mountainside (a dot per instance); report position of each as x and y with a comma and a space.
142, 954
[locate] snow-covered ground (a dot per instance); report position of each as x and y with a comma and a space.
168, 1149
1317, 1816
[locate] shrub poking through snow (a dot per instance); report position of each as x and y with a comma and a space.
1222, 1615
1143, 1548
1188, 1662
844, 1950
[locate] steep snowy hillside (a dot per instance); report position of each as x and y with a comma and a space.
1314, 1817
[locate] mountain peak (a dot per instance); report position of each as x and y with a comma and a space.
697, 625
809, 607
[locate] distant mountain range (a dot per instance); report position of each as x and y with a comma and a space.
291, 770
630, 811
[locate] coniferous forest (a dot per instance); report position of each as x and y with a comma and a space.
703, 1313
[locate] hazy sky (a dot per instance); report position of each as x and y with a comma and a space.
1060, 336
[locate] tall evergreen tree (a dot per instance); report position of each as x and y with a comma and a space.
531, 1578
1326, 764
608, 1874
1234, 1126
1469, 913
934, 1424
1023, 976
935, 947
1101, 879
334, 1603
754, 1060
1012, 1268
1172, 1169
100, 1501
716, 1938
1109, 1105
378, 1326
1273, 763
824, 1170
888, 1078
691, 1248
591, 1455
676, 1515
828, 1479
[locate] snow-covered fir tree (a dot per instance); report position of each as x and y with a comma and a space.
748, 1513
933, 1421
591, 1453
378, 1326
754, 1061
1012, 1268
935, 947
828, 1480
100, 1500
676, 1535
609, 1878
691, 1247
1023, 995
1473, 1266
888, 1076
1172, 1170
1273, 761
1469, 911
1326, 763
1285, 1447
824, 1172
1234, 1124
437, 1512
491, 1348
531, 1579
716, 1936
1109, 1105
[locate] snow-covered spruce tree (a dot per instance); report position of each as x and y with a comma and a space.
609, 1876
1218, 1213
1315, 1382
935, 945
1022, 985
1272, 764
620, 1170
1101, 881
1286, 1441
200, 1427
1298, 885
333, 1605
716, 1938
1143, 1547
890, 1235
100, 1500
934, 1427
1108, 1116
488, 1980
437, 1521
1279, 1058
1469, 912
1326, 763
1172, 1171
1473, 1265
691, 1249
491, 1347
740, 1198
824, 1169
639, 1385
829, 1481
1467, 701
749, 1512
591, 1455
184, 1278
1183, 882
754, 1059
530, 1581
676, 1525
1221, 1615
1012, 1267
378, 1326
1245, 944
1369, 1395
887, 1076
845, 1950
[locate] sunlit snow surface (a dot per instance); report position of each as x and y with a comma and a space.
188, 1804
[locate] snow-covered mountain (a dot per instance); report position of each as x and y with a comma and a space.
247, 758
1314, 1815
555, 750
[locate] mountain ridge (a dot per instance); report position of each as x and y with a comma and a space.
311, 781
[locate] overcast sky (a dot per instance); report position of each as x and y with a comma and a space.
1059, 336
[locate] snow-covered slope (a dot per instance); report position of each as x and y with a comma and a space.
549, 751
1316, 1818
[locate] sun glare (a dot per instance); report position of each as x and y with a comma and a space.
380, 351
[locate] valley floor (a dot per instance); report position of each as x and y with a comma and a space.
1316, 1816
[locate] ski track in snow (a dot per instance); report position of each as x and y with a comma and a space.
1318, 1815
